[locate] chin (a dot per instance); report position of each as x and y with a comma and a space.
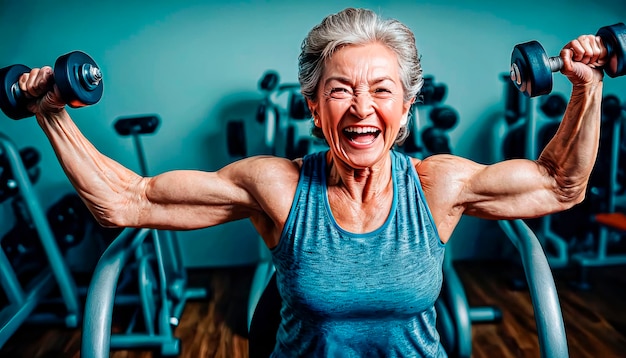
365, 158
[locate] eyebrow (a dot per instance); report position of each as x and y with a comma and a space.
346, 80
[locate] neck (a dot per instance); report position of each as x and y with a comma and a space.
360, 184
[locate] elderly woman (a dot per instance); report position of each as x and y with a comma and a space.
357, 232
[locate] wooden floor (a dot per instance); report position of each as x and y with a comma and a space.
595, 320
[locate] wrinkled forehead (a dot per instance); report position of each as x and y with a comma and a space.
361, 64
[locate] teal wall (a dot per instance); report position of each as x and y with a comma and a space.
197, 63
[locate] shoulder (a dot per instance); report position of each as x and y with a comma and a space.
272, 182
262, 168
446, 177
446, 166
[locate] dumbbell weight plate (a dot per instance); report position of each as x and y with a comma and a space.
11, 104
614, 38
236, 139
269, 81
75, 84
530, 70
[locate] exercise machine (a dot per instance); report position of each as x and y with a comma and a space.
159, 274
526, 122
157, 265
610, 220
531, 73
24, 295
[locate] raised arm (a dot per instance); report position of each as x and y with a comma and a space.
558, 179
521, 188
174, 200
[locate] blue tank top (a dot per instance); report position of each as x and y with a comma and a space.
358, 295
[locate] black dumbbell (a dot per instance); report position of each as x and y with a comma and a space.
267, 84
236, 138
76, 75
531, 68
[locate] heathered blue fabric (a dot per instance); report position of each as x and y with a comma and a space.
358, 295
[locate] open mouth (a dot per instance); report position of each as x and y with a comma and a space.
361, 135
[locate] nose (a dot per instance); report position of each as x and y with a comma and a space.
362, 105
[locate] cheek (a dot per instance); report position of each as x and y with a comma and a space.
334, 111
391, 111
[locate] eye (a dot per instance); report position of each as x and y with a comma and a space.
340, 92
382, 92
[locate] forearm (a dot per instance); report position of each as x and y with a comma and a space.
571, 154
106, 186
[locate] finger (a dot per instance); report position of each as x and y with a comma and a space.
36, 83
588, 49
602, 51
24, 80
577, 50
44, 81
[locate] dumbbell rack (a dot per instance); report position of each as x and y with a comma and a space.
22, 301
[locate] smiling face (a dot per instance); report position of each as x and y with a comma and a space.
359, 104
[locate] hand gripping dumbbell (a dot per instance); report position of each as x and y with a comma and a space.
531, 68
76, 75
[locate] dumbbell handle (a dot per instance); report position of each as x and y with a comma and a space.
555, 63
91, 74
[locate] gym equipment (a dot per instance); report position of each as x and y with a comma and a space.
30, 158
236, 138
267, 113
161, 277
76, 75
21, 244
285, 122
435, 137
610, 220
518, 138
69, 220
453, 312
531, 132
23, 299
518, 141
279, 120
431, 96
531, 69
432, 93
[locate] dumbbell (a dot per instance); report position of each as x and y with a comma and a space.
435, 137
531, 68
76, 75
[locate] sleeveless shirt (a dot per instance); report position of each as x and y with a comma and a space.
350, 294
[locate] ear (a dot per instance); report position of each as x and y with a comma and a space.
313, 109
404, 119
405, 111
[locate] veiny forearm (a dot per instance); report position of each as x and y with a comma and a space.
571, 154
107, 188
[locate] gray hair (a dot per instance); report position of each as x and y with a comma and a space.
357, 27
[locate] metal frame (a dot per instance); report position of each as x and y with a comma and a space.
23, 300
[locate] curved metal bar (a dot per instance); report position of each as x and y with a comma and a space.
459, 308
545, 300
59, 268
96, 333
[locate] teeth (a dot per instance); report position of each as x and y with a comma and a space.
361, 130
